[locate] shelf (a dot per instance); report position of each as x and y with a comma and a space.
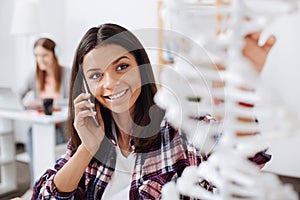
23, 157
7, 188
6, 161
60, 149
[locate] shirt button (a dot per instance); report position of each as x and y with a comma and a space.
98, 187
113, 141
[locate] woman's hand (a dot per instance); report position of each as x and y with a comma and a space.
34, 105
254, 52
91, 136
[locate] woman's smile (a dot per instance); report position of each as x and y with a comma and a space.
116, 96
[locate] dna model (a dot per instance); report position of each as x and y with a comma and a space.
211, 78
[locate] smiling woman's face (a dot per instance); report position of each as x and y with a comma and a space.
44, 58
113, 76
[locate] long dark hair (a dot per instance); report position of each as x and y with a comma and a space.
106, 34
41, 75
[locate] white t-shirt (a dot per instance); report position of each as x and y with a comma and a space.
119, 185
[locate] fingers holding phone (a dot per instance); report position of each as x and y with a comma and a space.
83, 110
89, 100
91, 135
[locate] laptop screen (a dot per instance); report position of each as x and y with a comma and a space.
9, 100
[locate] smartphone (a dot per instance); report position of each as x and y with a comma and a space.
89, 100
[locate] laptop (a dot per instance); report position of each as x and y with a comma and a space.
9, 100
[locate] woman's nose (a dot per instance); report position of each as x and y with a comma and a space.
108, 81
38, 59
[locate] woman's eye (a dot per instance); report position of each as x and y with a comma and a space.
95, 76
122, 67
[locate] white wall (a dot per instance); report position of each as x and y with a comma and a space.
281, 72
83, 14
281, 76
7, 59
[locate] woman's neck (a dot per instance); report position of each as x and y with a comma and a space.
50, 69
50, 72
124, 124
123, 143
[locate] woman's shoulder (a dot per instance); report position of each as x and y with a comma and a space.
169, 147
176, 137
168, 130
171, 136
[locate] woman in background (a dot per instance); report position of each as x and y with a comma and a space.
50, 79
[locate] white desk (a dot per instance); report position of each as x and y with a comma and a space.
43, 136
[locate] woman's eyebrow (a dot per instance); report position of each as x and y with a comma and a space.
92, 69
118, 59
114, 62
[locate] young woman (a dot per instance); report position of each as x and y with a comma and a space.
50, 79
133, 152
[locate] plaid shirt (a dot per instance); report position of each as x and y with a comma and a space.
165, 160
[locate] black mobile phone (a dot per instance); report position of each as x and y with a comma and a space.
89, 100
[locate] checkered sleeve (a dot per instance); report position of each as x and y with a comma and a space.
44, 188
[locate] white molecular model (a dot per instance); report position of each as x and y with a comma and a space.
211, 77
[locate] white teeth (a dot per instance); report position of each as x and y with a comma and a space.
113, 97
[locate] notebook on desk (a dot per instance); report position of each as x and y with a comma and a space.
9, 100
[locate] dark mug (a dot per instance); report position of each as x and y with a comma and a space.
48, 106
